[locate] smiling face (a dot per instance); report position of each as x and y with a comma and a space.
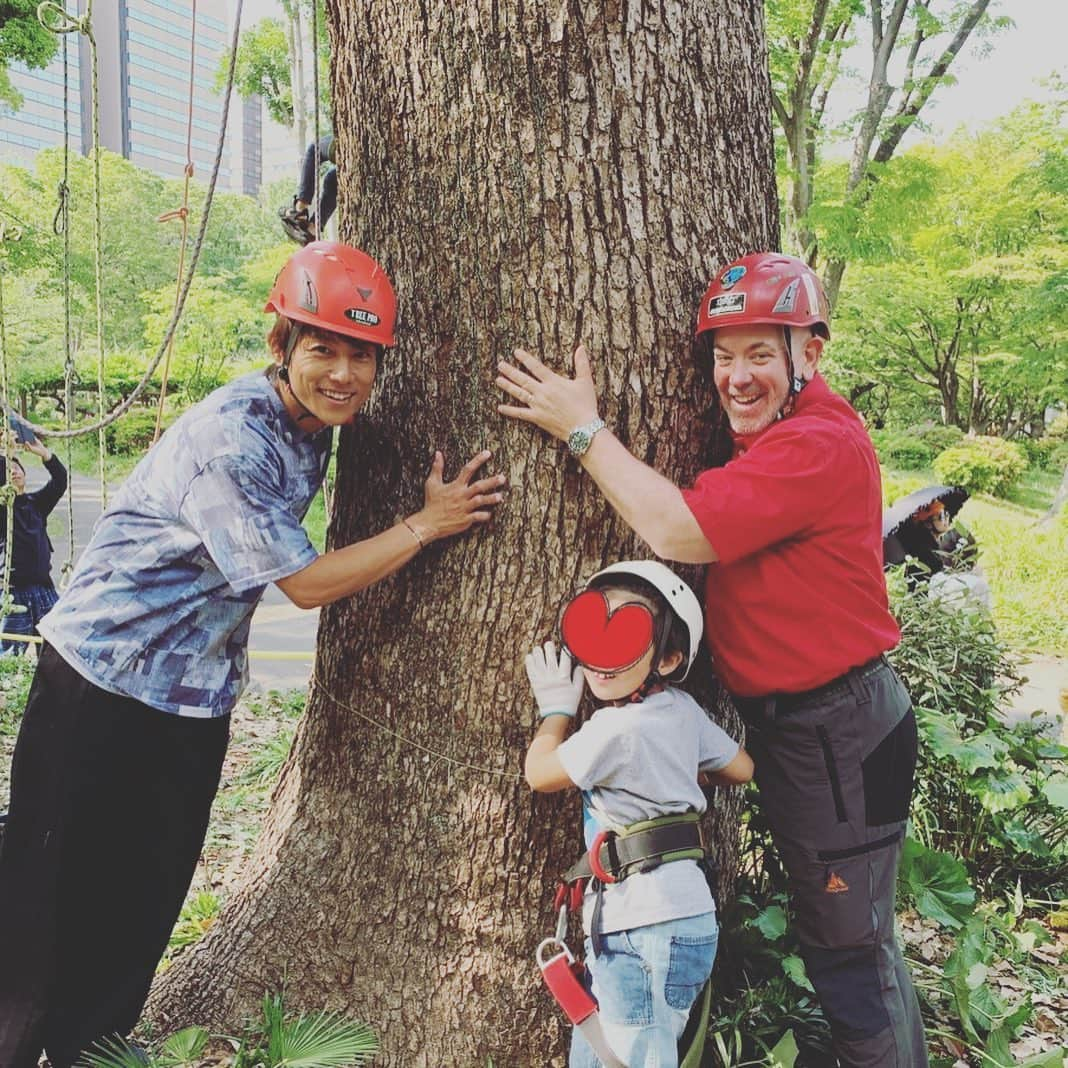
614, 686
750, 371
331, 376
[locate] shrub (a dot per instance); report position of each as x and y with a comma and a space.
901, 448
1038, 451
940, 438
982, 465
132, 434
993, 796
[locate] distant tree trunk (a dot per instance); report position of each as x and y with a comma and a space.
530, 174
295, 37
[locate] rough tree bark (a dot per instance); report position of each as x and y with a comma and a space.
529, 173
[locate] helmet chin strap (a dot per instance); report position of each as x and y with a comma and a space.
295, 332
796, 382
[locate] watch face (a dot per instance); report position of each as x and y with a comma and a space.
578, 441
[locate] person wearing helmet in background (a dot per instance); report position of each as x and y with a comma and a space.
652, 932
797, 620
122, 742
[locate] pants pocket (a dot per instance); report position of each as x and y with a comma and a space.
622, 982
888, 773
689, 967
832, 774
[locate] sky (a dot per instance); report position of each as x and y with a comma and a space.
991, 85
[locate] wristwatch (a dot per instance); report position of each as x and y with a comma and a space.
580, 439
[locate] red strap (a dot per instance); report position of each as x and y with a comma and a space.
564, 985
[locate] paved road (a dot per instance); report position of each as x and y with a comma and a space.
277, 627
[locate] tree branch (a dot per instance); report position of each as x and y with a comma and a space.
912, 105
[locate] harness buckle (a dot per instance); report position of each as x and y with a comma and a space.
594, 854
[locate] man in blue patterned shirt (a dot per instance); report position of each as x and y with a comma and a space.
123, 738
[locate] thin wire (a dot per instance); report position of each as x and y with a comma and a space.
183, 214
121, 409
62, 222
315, 92
317, 683
7, 492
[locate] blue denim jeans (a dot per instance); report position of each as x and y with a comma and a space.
645, 981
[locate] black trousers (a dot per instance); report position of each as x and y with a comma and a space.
322, 211
109, 809
835, 768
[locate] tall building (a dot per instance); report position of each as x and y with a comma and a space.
143, 58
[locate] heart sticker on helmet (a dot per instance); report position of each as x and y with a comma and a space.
604, 640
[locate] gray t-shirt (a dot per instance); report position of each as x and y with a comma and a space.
636, 762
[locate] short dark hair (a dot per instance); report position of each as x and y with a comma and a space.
278, 335
677, 639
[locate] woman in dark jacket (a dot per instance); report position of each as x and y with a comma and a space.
31, 585
933, 545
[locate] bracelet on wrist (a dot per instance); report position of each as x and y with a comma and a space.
414, 533
546, 715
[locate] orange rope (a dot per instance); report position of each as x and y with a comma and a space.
183, 214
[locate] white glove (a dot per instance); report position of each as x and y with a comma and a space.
557, 689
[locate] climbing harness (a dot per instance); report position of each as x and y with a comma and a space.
613, 857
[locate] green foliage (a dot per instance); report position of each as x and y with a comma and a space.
132, 434
267, 763
982, 465
197, 915
1026, 565
939, 438
989, 1023
902, 448
223, 324
980, 784
322, 1040
936, 883
955, 303
22, 39
16, 675
262, 69
278, 1039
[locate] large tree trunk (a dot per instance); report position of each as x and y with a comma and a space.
530, 174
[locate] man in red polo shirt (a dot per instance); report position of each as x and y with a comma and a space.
797, 621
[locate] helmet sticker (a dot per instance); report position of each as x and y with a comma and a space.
726, 304
360, 315
604, 640
813, 294
732, 276
309, 295
787, 299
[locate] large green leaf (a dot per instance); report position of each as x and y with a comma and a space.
1056, 791
1054, 1058
794, 967
1024, 839
937, 883
784, 1053
1000, 790
984, 750
320, 1041
771, 923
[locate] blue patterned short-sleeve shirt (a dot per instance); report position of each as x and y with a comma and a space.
160, 604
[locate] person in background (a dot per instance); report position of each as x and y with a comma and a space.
305, 220
31, 586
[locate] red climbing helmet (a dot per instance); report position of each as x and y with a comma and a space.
765, 287
338, 288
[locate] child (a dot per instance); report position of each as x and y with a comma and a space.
651, 935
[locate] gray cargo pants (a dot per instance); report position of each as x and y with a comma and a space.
835, 768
